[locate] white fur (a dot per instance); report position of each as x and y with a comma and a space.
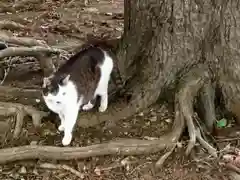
66, 103
102, 88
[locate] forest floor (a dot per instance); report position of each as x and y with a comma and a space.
67, 24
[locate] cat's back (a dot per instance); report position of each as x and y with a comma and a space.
83, 61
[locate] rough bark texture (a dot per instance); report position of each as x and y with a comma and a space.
163, 40
157, 45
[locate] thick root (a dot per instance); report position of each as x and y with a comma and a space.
119, 147
190, 86
174, 136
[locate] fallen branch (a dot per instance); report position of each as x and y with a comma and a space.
25, 51
22, 41
60, 167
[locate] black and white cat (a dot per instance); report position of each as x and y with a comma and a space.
72, 87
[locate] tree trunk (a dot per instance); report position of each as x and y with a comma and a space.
190, 47
157, 46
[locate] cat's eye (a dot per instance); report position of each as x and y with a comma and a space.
58, 102
64, 93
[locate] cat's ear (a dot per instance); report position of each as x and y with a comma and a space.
66, 79
46, 82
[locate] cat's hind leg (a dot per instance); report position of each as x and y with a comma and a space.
88, 106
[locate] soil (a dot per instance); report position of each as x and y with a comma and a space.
66, 23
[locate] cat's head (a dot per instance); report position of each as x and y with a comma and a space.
55, 87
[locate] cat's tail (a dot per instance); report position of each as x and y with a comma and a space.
105, 43
118, 80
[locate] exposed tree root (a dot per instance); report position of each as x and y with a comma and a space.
160, 162
36, 48
119, 147
39, 52
206, 105
205, 144
190, 86
20, 111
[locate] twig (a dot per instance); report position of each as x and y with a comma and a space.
228, 139
65, 167
109, 168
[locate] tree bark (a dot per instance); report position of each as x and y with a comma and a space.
155, 46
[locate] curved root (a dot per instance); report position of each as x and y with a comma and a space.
20, 111
161, 160
205, 144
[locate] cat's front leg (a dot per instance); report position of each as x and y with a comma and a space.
61, 126
104, 102
70, 119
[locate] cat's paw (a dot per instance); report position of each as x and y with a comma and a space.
102, 108
87, 106
66, 140
61, 128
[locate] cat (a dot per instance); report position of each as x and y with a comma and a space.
75, 84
